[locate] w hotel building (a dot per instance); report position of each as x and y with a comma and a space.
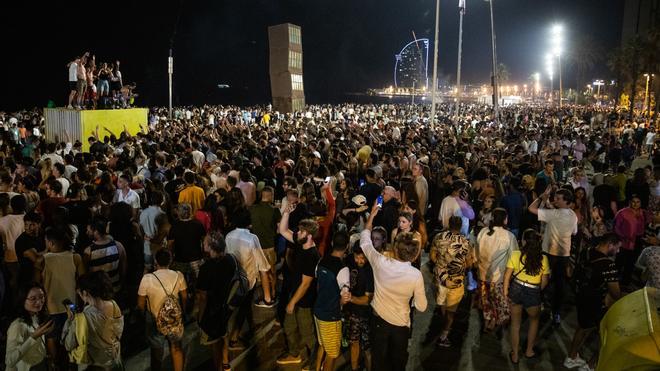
286, 73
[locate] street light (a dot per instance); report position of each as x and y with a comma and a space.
494, 79
550, 69
461, 7
556, 39
598, 83
537, 83
435, 62
647, 104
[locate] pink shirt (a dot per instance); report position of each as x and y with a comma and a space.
629, 226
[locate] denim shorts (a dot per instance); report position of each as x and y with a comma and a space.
526, 296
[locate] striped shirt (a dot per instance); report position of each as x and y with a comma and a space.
105, 258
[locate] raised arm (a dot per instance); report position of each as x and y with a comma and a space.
534, 206
284, 224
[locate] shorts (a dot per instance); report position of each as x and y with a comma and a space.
449, 297
73, 85
358, 330
154, 337
590, 311
329, 336
59, 320
205, 339
526, 296
271, 256
80, 86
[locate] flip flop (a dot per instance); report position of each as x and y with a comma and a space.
535, 355
511, 358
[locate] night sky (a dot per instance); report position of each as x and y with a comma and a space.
348, 45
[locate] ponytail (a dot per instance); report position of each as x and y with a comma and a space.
531, 255
499, 217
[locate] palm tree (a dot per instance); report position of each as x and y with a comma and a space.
650, 59
503, 74
619, 63
584, 54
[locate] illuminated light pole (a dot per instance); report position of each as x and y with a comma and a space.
537, 84
461, 12
647, 104
550, 70
557, 40
170, 72
494, 81
598, 83
435, 62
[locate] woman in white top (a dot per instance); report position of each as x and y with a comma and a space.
26, 347
494, 246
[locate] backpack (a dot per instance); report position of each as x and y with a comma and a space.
169, 320
240, 286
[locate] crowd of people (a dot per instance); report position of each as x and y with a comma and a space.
93, 86
327, 217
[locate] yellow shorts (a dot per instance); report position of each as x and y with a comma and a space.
329, 336
449, 297
271, 256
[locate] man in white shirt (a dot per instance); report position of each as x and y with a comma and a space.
58, 173
73, 80
455, 204
561, 224
245, 247
649, 141
52, 154
153, 289
126, 194
396, 282
149, 226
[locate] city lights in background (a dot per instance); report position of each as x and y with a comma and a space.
549, 66
537, 82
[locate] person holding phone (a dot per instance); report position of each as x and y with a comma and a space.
105, 322
26, 343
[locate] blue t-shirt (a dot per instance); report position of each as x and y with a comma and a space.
514, 204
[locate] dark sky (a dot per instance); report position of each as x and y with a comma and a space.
348, 45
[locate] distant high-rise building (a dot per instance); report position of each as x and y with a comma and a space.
286, 67
411, 66
638, 17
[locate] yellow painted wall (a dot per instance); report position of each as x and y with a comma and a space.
114, 120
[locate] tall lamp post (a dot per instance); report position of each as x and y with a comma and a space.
647, 103
557, 40
461, 12
598, 83
550, 70
170, 72
494, 81
537, 84
435, 62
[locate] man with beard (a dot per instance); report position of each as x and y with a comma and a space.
301, 260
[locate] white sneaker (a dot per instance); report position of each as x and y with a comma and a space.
574, 362
69, 107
